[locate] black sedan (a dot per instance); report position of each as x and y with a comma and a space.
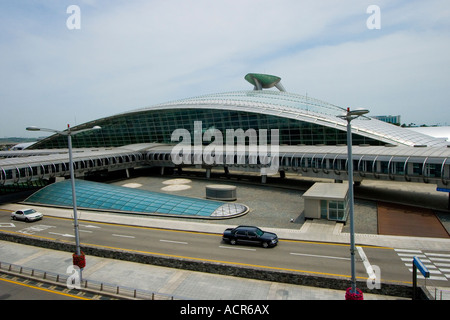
250, 235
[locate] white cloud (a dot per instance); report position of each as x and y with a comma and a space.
399, 73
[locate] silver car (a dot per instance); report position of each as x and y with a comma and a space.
26, 215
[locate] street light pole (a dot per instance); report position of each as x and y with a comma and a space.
351, 202
74, 195
349, 116
69, 134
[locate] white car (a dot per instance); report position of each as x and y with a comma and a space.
26, 215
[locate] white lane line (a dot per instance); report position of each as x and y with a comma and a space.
7, 225
367, 265
123, 236
317, 256
89, 226
88, 231
237, 248
179, 242
63, 234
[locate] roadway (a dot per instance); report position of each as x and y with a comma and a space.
311, 257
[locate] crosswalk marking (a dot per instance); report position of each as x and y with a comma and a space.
441, 259
411, 259
408, 250
438, 264
438, 254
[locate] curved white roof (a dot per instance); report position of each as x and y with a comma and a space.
303, 108
436, 132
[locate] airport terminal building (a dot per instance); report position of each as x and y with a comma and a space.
301, 120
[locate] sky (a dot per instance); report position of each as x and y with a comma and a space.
59, 66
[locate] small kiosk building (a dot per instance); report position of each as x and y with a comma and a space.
327, 201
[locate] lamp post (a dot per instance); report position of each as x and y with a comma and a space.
349, 116
69, 133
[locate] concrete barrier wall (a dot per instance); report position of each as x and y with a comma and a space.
304, 279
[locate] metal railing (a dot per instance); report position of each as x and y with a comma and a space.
440, 294
87, 285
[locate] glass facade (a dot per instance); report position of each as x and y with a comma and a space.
104, 197
158, 125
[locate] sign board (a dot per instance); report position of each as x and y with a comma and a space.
443, 189
419, 265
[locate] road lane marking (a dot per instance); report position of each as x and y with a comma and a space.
411, 259
63, 234
7, 225
438, 254
123, 236
36, 228
237, 248
171, 241
370, 272
411, 255
318, 256
89, 226
440, 259
442, 264
408, 250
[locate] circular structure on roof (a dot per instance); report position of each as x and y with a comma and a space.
178, 184
177, 181
266, 80
176, 187
221, 192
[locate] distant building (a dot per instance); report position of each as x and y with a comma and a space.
389, 119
